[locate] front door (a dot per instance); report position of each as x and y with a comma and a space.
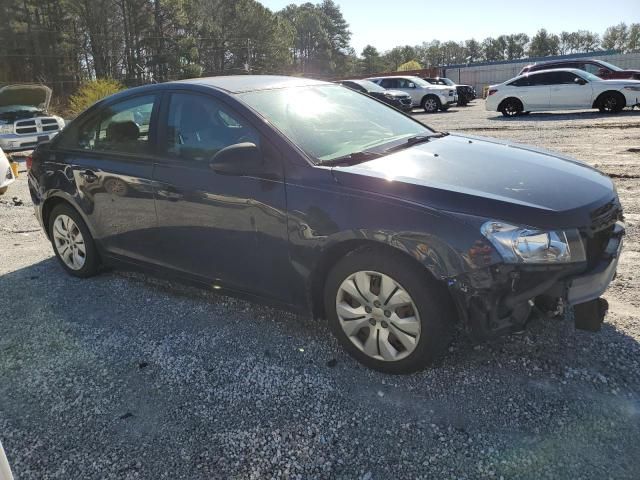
110, 156
566, 92
230, 230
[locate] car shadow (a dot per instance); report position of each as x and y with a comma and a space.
558, 116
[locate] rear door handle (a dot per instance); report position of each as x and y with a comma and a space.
89, 176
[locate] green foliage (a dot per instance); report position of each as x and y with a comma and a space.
90, 92
410, 65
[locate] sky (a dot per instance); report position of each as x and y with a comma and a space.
386, 24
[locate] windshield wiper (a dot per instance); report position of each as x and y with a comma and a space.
352, 158
411, 141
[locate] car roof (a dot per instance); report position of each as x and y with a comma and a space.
250, 83
551, 70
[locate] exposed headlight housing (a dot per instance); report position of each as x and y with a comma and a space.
6, 128
527, 245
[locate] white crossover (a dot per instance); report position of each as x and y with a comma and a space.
423, 94
561, 89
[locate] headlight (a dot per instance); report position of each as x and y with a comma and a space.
634, 88
525, 245
388, 94
7, 128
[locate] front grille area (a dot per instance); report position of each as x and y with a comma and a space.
406, 101
37, 125
596, 237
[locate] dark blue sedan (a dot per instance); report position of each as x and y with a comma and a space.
314, 197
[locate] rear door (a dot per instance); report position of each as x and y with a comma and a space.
227, 229
110, 156
565, 92
535, 94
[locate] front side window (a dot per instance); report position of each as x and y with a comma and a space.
198, 127
329, 122
123, 127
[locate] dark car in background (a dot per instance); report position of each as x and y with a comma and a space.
466, 93
395, 98
604, 70
317, 198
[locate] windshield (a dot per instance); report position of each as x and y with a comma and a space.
18, 108
589, 76
610, 66
419, 81
329, 122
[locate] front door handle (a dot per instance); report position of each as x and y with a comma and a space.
89, 176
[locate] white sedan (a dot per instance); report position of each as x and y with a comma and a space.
561, 89
6, 174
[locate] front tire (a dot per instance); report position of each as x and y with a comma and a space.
431, 104
611, 102
387, 312
72, 242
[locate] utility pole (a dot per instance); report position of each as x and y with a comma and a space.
247, 65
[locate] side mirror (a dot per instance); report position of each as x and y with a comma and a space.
580, 81
238, 159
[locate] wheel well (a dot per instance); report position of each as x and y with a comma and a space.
596, 103
507, 99
48, 207
333, 255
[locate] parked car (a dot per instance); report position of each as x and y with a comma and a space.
6, 173
24, 120
564, 89
400, 100
5, 468
466, 93
430, 97
604, 70
312, 196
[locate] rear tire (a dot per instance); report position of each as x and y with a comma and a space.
431, 104
611, 102
72, 242
387, 305
511, 107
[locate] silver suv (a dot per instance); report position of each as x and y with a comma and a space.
24, 121
423, 94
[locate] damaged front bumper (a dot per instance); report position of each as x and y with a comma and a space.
500, 299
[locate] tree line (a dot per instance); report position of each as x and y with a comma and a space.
622, 37
64, 43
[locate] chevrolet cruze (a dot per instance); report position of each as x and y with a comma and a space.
314, 197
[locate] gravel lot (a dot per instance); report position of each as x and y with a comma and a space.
125, 376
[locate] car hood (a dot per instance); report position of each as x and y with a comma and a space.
487, 178
37, 96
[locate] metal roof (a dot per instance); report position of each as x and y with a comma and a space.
248, 83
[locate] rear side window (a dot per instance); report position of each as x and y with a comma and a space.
123, 127
521, 82
539, 79
389, 83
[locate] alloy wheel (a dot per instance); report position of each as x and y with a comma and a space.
610, 103
69, 242
511, 109
430, 105
378, 316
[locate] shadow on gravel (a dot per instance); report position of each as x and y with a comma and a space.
562, 116
165, 371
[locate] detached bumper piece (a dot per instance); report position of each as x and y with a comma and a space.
500, 299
